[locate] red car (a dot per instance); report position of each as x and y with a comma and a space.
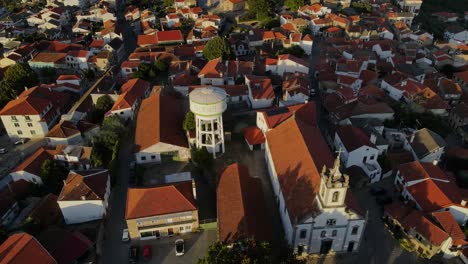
147, 252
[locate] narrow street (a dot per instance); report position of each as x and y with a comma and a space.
113, 249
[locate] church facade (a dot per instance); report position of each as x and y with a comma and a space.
318, 210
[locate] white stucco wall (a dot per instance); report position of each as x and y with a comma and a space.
82, 211
24, 175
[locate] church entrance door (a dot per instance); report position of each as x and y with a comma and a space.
326, 246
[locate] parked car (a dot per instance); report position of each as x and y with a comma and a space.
375, 190
3, 150
21, 141
125, 236
146, 252
133, 255
179, 247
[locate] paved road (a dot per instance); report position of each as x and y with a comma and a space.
113, 250
16, 153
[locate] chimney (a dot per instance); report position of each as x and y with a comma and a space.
83, 198
373, 138
463, 202
434, 162
403, 83
412, 138
25, 88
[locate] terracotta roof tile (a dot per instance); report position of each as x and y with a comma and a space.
353, 137
164, 200
64, 129
425, 227
85, 185
23, 248
160, 120
450, 226
242, 211
254, 135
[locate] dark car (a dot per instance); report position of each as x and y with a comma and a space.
375, 190
383, 200
133, 255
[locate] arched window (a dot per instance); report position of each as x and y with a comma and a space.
323, 233
335, 197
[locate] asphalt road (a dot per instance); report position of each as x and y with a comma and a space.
16, 153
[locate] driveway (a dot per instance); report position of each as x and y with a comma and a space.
196, 246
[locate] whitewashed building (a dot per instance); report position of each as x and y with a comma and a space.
84, 196
318, 212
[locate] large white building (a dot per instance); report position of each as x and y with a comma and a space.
84, 196
318, 212
33, 112
158, 133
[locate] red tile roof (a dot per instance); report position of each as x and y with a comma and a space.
450, 226
425, 228
306, 112
64, 129
85, 185
353, 137
294, 59
398, 210
462, 75
170, 199
299, 152
147, 40
429, 196
242, 211
169, 36
160, 120
33, 163
261, 87
254, 135
21, 248
65, 246
417, 170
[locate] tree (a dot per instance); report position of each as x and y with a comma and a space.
15, 79
217, 47
189, 121
168, 3
294, 4
293, 50
202, 158
104, 104
89, 74
364, 7
249, 251
160, 66
97, 160
261, 8
52, 175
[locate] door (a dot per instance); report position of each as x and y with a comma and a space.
170, 231
157, 234
326, 246
351, 246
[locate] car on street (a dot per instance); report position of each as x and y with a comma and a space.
3, 150
133, 255
125, 236
179, 247
21, 141
376, 190
146, 252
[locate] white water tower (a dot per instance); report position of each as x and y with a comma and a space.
208, 105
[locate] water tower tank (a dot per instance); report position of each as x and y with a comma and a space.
208, 102
208, 105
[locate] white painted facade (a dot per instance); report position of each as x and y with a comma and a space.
334, 224
290, 66
24, 175
153, 153
30, 126
364, 157
82, 211
73, 140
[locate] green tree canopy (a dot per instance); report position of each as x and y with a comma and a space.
362, 6
217, 47
202, 158
294, 4
104, 104
52, 175
189, 121
295, 50
15, 79
249, 251
261, 8
168, 3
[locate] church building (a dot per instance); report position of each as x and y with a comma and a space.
318, 210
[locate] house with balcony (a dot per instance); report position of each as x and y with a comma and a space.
358, 150
34, 111
173, 210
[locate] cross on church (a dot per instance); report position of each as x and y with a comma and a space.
339, 152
